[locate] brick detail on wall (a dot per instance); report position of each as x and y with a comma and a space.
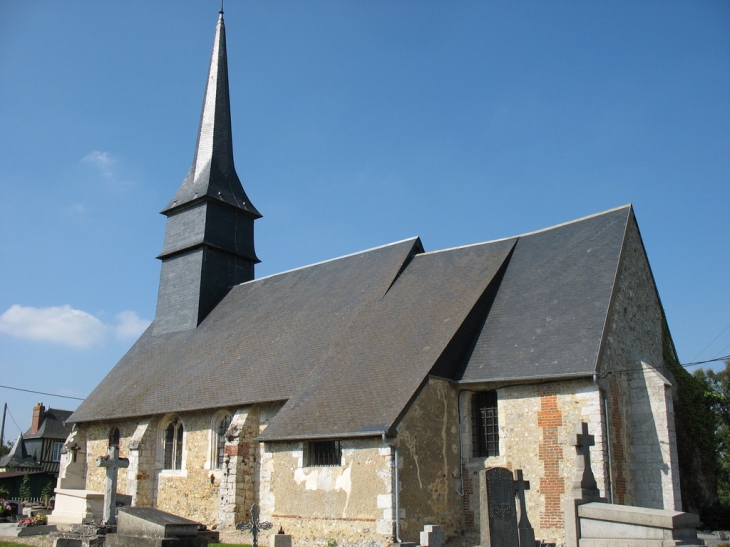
550, 453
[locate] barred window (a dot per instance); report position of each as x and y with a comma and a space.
223, 426
484, 424
174, 445
324, 453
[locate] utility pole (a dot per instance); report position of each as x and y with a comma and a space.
2, 426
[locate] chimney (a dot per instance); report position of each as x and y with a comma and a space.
38, 413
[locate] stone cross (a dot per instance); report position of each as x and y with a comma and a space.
113, 463
255, 525
583, 443
527, 534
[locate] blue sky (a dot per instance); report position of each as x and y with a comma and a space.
355, 124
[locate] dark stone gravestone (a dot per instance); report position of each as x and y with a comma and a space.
146, 527
498, 514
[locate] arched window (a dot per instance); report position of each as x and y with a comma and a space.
223, 426
173, 444
114, 437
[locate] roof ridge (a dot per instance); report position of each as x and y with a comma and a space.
329, 260
629, 205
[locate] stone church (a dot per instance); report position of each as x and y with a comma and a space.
357, 399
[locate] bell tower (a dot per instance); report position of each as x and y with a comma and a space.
209, 241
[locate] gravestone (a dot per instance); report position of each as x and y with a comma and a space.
113, 463
524, 528
497, 507
432, 536
585, 488
147, 527
584, 484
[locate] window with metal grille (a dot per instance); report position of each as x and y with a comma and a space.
174, 445
484, 424
321, 453
223, 426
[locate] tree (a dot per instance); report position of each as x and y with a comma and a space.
718, 388
25, 491
5, 448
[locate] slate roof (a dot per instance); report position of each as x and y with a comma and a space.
347, 343
213, 173
18, 458
550, 311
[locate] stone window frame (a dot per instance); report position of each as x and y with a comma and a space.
180, 445
215, 446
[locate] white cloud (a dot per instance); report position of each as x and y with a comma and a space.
102, 161
65, 325
130, 325
62, 324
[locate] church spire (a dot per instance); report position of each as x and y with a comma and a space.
209, 243
213, 173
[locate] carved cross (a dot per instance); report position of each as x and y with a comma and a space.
583, 443
255, 525
113, 463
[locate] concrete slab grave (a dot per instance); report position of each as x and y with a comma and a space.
497, 506
147, 527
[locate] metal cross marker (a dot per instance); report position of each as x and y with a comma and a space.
254, 525
113, 463
583, 442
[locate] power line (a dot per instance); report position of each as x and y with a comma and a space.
16, 423
726, 358
42, 393
708, 345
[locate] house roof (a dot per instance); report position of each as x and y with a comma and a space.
347, 343
52, 426
18, 458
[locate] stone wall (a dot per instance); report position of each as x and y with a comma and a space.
350, 503
429, 469
637, 387
537, 434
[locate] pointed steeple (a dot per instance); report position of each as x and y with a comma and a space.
213, 173
209, 243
